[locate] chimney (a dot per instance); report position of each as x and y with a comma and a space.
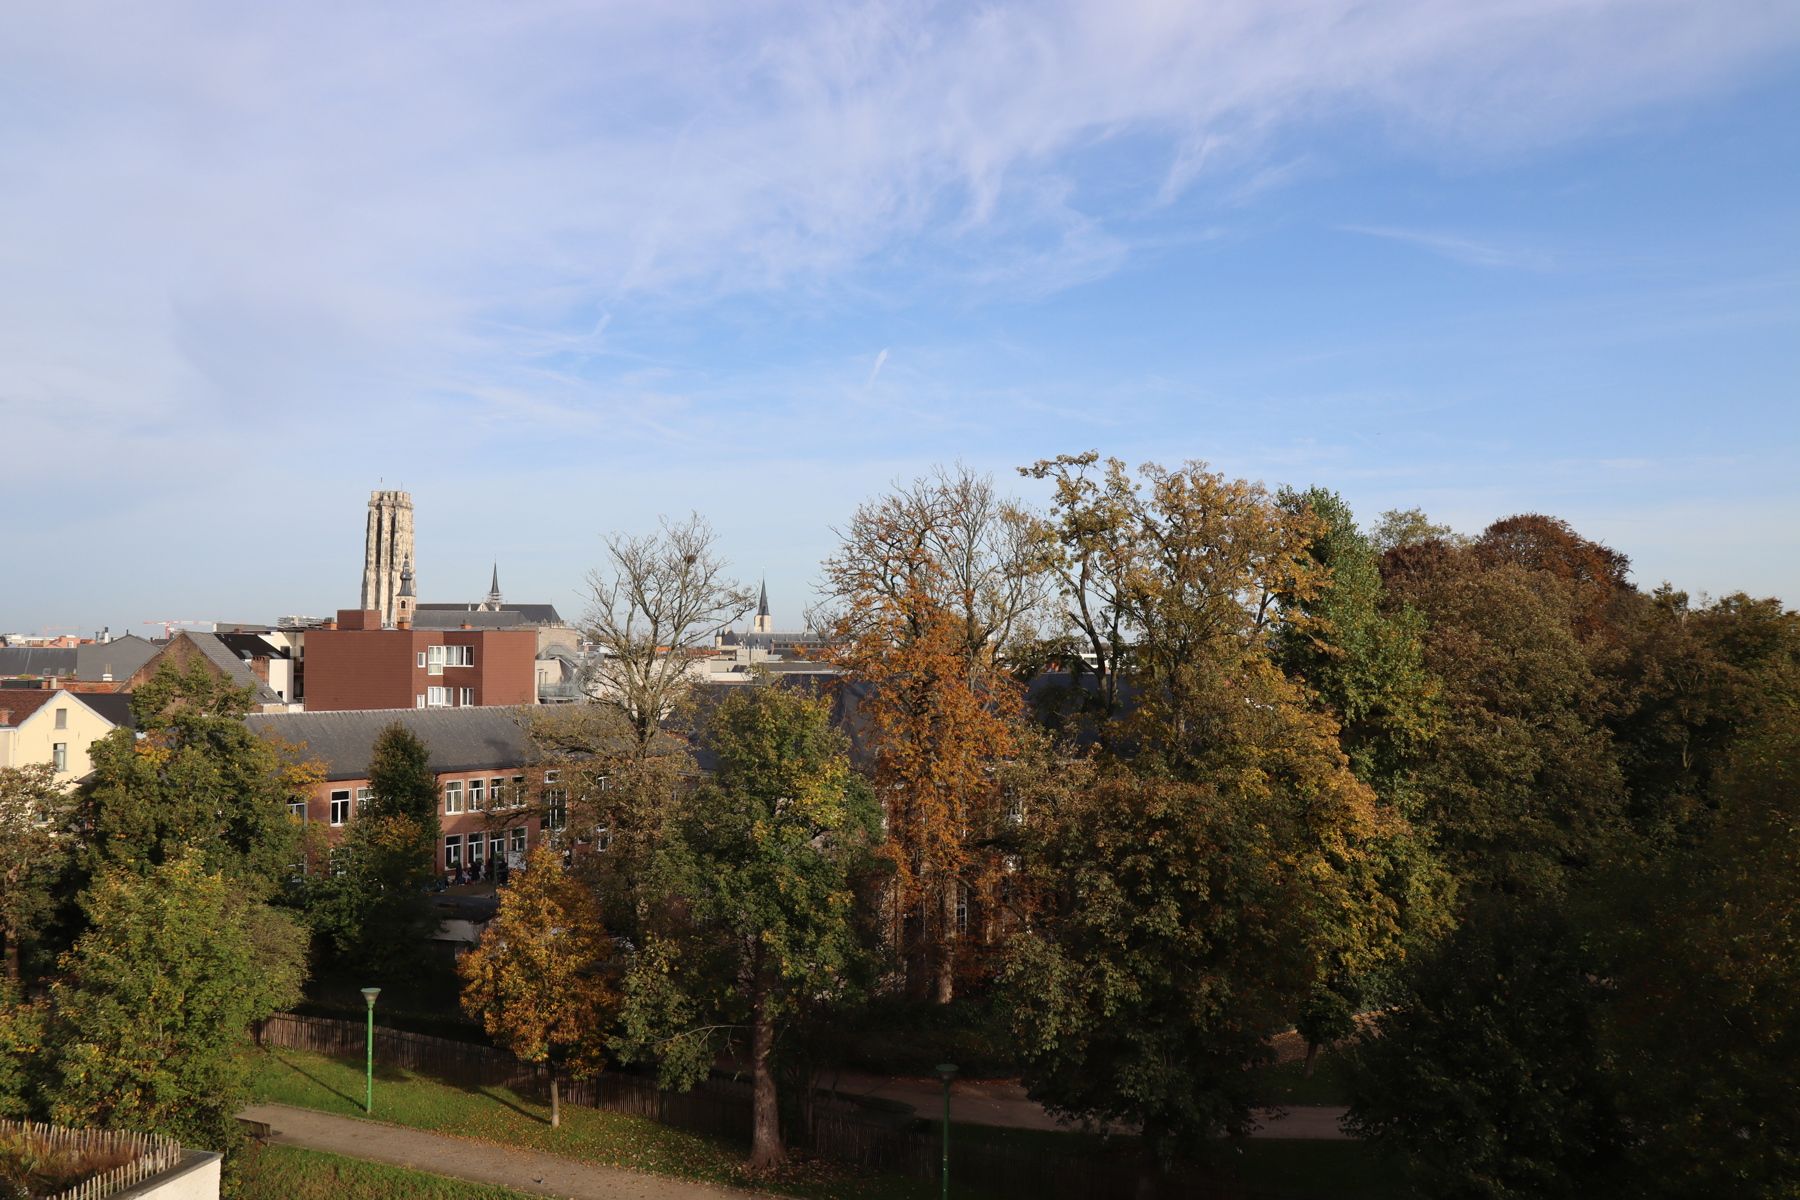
5, 716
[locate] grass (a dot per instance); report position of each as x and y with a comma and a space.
290, 1173
502, 1116
1286, 1083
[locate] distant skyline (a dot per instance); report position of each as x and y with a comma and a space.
559, 268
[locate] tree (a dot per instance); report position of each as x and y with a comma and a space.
1485, 1078
931, 583
1181, 920
661, 597
372, 907
156, 999
538, 980
756, 878
1408, 527
401, 781
193, 775
35, 851
618, 800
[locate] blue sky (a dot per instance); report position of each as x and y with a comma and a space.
559, 268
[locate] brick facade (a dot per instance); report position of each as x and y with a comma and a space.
360, 665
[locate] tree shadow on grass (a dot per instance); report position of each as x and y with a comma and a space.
297, 1069
499, 1098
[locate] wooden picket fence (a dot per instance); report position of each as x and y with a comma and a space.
146, 1154
837, 1129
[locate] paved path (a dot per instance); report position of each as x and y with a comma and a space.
1004, 1102
524, 1170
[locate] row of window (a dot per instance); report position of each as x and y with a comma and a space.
482, 795
491, 794
435, 658
444, 697
478, 847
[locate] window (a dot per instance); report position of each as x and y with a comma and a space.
59, 755
297, 809
468, 697
362, 800
340, 807
452, 851
439, 657
497, 792
603, 839
477, 798
421, 660
62, 718
518, 791
518, 840
340, 860
962, 908
453, 800
556, 802
496, 845
437, 697
475, 846
421, 701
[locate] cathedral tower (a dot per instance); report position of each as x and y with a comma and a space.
387, 551
763, 623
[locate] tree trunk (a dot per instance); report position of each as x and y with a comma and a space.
766, 1149
946, 951
1312, 1052
12, 956
555, 1101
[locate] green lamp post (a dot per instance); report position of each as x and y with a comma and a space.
946, 1072
369, 995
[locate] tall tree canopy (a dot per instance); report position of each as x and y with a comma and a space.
36, 849
756, 879
154, 1006
194, 775
930, 584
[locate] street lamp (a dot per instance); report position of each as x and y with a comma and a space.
369, 995
946, 1072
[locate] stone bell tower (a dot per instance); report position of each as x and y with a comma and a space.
387, 552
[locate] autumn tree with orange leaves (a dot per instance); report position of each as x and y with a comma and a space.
930, 586
537, 981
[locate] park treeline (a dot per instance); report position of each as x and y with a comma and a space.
1111, 790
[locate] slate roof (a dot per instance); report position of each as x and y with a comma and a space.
37, 660
220, 655
519, 614
457, 739
119, 658
253, 644
114, 706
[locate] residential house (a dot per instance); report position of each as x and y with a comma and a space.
56, 726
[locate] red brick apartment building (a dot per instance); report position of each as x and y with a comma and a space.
354, 663
492, 801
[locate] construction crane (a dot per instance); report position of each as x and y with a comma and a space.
169, 626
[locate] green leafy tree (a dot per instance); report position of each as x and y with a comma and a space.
35, 852
401, 781
757, 875
372, 907
194, 775
154, 1006
1485, 1079
539, 980
1180, 920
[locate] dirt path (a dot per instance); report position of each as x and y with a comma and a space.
524, 1170
1004, 1102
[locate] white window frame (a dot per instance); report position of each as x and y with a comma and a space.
468, 697
420, 703
452, 851
437, 697
59, 756
297, 810
421, 660
340, 816
363, 796
517, 835
62, 718
518, 791
453, 797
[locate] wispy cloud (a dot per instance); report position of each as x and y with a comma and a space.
874, 371
1467, 250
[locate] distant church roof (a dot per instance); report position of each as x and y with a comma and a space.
762, 604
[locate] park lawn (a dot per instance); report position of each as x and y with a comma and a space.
291, 1173
1287, 1083
502, 1116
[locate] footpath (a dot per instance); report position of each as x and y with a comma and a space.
479, 1162
1004, 1102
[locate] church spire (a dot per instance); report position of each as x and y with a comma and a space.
493, 598
762, 623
